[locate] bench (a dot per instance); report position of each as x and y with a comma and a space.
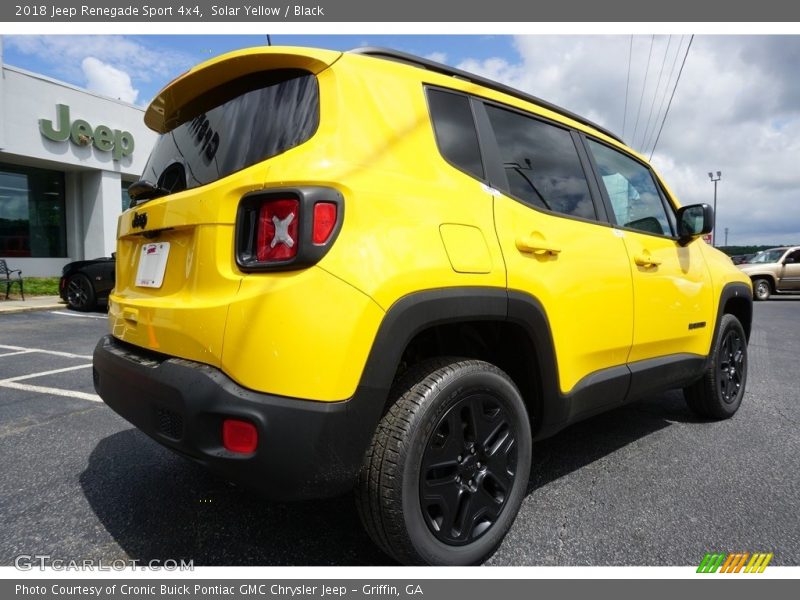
10, 279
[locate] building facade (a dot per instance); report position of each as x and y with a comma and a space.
67, 156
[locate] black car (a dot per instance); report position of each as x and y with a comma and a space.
84, 283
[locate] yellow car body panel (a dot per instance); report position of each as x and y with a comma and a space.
379, 155
584, 283
673, 303
304, 333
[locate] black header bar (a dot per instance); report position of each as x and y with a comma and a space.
439, 11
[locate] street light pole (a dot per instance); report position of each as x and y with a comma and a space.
714, 224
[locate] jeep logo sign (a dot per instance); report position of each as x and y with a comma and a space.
139, 220
119, 143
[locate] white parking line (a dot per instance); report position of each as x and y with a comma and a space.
21, 350
52, 391
13, 383
16, 353
43, 373
69, 314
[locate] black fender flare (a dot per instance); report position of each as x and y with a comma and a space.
419, 311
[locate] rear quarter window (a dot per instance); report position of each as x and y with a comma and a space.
455, 131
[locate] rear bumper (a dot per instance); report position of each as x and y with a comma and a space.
306, 449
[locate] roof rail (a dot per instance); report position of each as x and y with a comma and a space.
429, 65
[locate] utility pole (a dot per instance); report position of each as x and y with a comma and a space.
726, 237
714, 225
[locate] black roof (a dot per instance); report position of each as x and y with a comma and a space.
429, 65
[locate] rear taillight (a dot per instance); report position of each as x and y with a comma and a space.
287, 228
277, 230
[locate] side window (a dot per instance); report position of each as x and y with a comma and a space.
633, 193
541, 163
455, 131
793, 257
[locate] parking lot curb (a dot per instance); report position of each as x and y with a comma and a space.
34, 304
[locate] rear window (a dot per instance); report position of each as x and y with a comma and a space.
234, 126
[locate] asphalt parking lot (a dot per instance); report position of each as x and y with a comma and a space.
648, 484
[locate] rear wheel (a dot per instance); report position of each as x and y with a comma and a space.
719, 393
762, 289
448, 466
80, 293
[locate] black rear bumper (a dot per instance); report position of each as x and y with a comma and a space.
306, 449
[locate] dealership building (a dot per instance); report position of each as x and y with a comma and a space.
67, 156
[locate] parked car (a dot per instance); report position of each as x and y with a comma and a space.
85, 284
740, 259
370, 271
773, 271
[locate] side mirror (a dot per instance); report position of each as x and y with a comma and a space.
693, 221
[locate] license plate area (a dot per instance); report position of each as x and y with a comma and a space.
152, 265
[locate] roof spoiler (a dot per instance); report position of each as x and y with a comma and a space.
172, 106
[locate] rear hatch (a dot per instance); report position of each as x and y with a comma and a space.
220, 125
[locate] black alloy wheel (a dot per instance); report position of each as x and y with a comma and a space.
719, 392
730, 367
80, 293
468, 469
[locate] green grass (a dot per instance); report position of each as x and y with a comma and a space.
39, 286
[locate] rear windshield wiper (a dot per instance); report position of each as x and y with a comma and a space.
141, 191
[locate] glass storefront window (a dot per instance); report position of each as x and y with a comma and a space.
126, 199
32, 213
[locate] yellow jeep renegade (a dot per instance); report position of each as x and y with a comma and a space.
368, 271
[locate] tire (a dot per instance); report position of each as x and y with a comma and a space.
718, 394
762, 289
80, 293
448, 466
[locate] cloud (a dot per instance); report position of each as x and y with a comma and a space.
107, 80
65, 54
119, 51
736, 109
439, 57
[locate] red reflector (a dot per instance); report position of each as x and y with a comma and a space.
239, 436
324, 221
277, 230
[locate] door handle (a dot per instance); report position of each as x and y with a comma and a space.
645, 260
536, 244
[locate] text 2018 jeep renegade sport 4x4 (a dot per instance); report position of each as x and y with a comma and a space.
370, 271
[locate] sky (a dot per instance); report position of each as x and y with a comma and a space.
736, 107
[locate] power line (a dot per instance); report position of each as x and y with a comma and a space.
664, 96
627, 86
691, 39
644, 85
655, 94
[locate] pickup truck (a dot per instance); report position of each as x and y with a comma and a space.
773, 271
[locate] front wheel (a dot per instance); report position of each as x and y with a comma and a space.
762, 289
80, 293
718, 394
448, 466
